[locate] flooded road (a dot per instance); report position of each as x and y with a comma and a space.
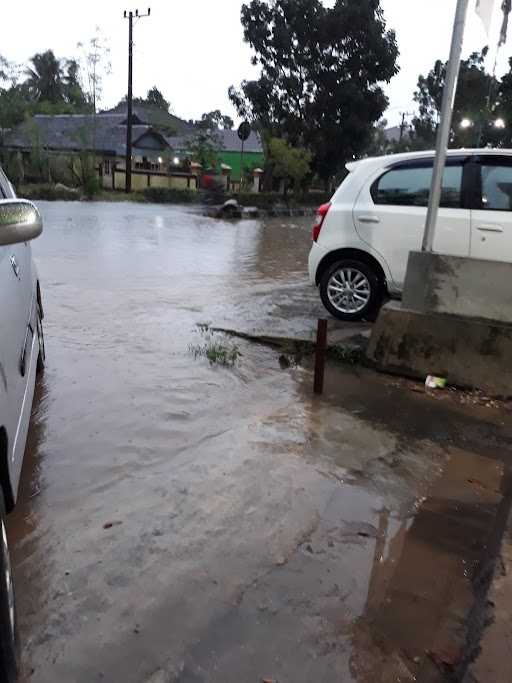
182, 521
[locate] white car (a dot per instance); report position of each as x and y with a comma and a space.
363, 236
21, 356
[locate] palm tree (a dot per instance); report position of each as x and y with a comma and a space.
45, 78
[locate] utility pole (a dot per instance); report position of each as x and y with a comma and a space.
443, 131
403, 125
130, 16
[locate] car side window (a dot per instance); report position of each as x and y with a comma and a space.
411, 186
496, 186
5, 187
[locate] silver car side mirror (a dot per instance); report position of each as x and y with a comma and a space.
20, 221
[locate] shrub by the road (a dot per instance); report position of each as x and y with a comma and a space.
166, 195
48, 191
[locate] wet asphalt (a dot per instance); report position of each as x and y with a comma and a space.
183, 521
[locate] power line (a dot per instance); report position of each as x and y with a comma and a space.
130, 16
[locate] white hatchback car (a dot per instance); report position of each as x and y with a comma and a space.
363, 236
21, 356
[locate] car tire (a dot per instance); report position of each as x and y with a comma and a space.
351, 290
41, 357
9, 643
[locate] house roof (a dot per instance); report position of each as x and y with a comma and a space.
229, 141
153, 116
104, 133
232, 142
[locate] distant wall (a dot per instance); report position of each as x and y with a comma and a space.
251, 160
142, 180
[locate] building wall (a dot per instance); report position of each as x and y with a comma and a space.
251, 160
140, 181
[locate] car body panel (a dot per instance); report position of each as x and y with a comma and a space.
491, 218
388, 232
19, 345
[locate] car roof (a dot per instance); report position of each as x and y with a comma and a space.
389, 159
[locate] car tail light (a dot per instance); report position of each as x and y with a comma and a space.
319, 221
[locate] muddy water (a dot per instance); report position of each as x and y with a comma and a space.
185, 522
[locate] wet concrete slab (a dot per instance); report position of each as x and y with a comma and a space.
181, 521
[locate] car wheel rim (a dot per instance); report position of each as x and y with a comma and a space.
349, 290
8, 579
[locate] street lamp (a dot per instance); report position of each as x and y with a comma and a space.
500, 123
466, 123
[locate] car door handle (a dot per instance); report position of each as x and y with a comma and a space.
368, 219
490, 228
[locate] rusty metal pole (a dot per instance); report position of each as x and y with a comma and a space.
320, 351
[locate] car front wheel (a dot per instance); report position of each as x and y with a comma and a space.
9, 650
350, 290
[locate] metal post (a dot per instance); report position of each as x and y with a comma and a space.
242, 166
443, 133
320, 350
128, 182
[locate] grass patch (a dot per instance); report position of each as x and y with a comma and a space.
49, 191
167, 195
346, 355
216, 352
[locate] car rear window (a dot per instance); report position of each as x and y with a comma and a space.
410, 186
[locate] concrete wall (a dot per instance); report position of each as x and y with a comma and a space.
140, 181
469, 352
436, 283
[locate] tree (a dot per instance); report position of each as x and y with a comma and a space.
203, 147
289, 162
215, 119
475, 101
95, 65
73, 92
45, 77
321, 75
154, 98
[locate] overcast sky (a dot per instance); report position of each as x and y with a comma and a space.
193, 49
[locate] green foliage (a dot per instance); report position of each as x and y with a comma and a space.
45, 77
203, 147
216, 350
347, 355
155, 99
164, 195
321, 75
289, 162
49, 192
214, 120
477, 99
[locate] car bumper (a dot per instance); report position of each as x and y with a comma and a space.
315, 256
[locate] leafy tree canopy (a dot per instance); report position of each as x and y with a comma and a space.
480, 99
289, 162
156, 99
322, 71
215, 119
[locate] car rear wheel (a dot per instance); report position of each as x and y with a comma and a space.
9, 648
351, 290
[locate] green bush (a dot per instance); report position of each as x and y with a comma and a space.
48, 191
92, 186
167, 195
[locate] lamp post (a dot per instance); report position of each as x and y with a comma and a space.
443, 133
